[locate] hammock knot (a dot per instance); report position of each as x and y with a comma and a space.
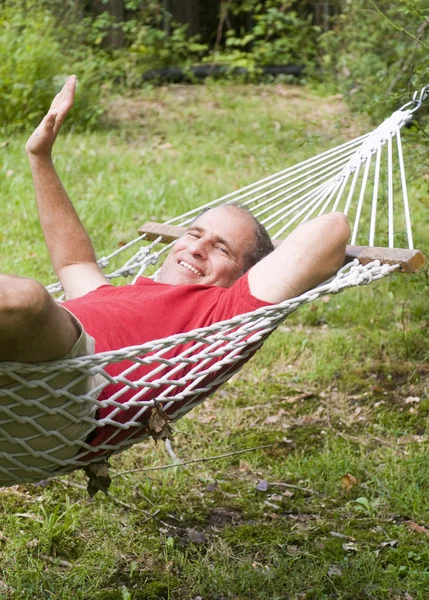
103, 262
154, 258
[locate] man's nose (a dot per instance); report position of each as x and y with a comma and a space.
198, 247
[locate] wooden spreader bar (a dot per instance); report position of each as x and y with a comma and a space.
409, 260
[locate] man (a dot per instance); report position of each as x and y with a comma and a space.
206, 277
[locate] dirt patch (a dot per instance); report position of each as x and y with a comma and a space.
164, 102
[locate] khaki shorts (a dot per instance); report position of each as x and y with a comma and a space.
35, 443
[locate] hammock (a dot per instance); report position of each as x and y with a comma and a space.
363, 177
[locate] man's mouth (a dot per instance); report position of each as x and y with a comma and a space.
191, 268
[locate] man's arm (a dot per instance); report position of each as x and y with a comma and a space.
312, 253
69, 246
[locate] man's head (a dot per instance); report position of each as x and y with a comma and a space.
218, 247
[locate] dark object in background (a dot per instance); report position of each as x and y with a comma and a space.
179, 75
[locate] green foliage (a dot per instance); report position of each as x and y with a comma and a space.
279, 36
375, 51
33, 68
28, 67
152, 48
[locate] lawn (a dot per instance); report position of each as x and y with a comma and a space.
331, 499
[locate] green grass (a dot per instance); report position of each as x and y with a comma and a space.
330, 390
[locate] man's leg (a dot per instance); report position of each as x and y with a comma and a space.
33, 327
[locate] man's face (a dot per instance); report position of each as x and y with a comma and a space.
212, 251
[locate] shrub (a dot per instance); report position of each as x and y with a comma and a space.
33, 67
375, 53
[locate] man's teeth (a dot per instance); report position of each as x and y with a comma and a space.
191, 268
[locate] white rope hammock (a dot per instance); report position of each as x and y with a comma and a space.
364, 178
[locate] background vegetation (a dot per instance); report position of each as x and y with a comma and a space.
334, 502
373, 52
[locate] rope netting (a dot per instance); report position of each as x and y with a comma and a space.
162, 380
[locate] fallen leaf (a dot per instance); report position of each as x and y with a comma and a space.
416, 527
98, 477
334, 571
412, 400
350, 547
32, 543
195, 536
390, 543
275, 497
31, 516
288, 494
348, 481
158, 426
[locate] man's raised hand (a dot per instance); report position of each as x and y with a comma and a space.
41, 141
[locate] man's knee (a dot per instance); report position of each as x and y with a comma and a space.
336, 224
22, 301
340, 226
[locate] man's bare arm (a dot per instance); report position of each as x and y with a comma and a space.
69, 246
312, 253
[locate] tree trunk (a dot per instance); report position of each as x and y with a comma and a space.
186, 11
114, 37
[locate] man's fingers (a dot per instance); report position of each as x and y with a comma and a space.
64, 99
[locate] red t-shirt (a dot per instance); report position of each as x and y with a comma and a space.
131, 315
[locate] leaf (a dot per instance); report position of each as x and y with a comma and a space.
348, 481
350, 547
31, 516
158, 426
98, 477
418, 528
412, 400
390, 544
195, 536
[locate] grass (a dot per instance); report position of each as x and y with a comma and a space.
339, 392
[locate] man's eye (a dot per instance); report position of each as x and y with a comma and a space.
222, 249
192, 234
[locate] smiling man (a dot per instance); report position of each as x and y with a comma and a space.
223, 266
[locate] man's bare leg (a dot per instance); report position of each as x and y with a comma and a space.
33, 327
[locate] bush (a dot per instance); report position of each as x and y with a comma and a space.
376, 53
33, 69
279, 35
